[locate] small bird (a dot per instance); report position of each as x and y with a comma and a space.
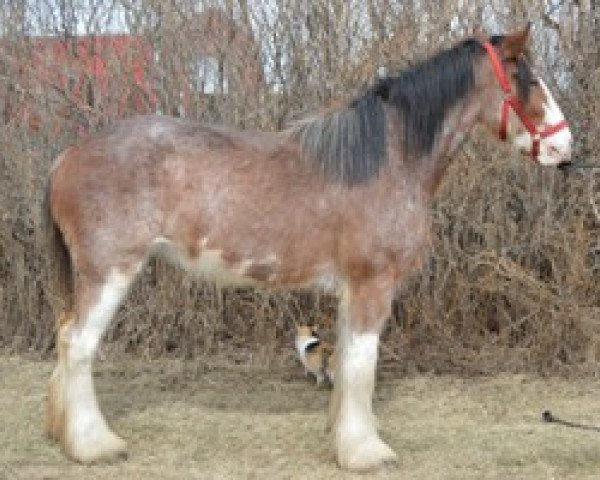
317, 356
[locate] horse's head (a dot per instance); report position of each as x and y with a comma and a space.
519, 107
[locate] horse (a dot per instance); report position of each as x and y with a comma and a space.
339, 201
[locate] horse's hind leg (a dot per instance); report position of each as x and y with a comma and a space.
55, 412
74, 418
364, 308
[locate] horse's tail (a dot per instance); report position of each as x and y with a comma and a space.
59, 268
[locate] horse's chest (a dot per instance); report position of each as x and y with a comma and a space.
404, 224
405, 232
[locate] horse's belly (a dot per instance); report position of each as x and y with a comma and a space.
211, 265
259, 270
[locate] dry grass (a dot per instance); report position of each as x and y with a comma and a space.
195, 420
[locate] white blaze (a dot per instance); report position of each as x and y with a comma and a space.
555, 148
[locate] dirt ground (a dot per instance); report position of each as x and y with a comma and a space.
193, 420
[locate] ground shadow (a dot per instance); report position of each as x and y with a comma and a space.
122, 389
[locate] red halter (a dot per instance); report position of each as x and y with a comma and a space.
511, 101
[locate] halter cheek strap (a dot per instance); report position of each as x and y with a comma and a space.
511, 101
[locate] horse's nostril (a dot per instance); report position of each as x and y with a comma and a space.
565, 165
553, 149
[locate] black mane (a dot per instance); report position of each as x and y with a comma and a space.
349, 145
423, 95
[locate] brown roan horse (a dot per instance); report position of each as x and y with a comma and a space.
339, 201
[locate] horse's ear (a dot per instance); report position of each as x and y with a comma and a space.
479, 34
514, 45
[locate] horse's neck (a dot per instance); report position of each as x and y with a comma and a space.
458, 123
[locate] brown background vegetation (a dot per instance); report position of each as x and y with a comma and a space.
512, 279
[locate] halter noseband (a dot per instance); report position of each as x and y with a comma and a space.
511, 101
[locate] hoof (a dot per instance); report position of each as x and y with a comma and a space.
106, 447
365, 454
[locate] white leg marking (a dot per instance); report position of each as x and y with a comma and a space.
358, 445
88, 438
83, 343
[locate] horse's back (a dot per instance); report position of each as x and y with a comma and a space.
151, 179
105, 191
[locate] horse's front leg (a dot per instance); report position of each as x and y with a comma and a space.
364, 308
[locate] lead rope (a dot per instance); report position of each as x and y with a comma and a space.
548, 417
594, 192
